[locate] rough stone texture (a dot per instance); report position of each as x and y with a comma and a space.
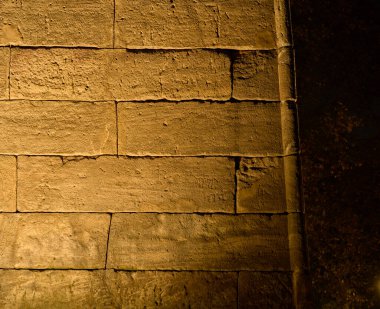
126, 184
59, 22
154, 143
241, 24
261, 185
265, 290
7, 183
191, 128
255, 76
89, 74
4, 72
198, 242
109, 289
53, 240
54, 289
174, 289
28, 127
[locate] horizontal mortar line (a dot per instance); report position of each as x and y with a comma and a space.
53, 101
148, 156
163, 100
49, 269
201, 270
147, 48
230, 100
226, 214
147, 270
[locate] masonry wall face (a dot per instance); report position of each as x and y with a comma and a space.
148, 155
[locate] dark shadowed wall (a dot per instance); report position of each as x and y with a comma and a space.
337, 48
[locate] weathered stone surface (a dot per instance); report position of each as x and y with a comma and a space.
90, 74
54, 289
261, 185
126, 184
7, 183
198, 242
4, 72
241, 24
28, 127
109, 289
255, 76
174, 289
191, 128
53, 240
265, 290
59, 22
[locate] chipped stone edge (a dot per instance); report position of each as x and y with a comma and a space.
289, 119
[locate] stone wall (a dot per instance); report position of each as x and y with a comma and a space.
148, 155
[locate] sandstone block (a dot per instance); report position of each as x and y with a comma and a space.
109, 289
261, 185
126, 184
174, 289
58, 289
191, 128
265, 290
57, 128
255, 76
53, 240
4, 72
59, 22
90, 74
240, 24
7, 183
198, 242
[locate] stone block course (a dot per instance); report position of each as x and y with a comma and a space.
240, 24
198, 242
111, 184
110, 289
7, 183
91, 74
37, 127
56, 23
193, 128
38, 241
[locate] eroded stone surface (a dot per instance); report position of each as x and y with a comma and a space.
191, 128
198, 242
7, 183
54, 289
4, 72
175, 289
185, 24
261, 185
265, 290
109, 289
126, 184
255, 76
59, 22
53, 240
89, 74
57, 128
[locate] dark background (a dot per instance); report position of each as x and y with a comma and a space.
337, 55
